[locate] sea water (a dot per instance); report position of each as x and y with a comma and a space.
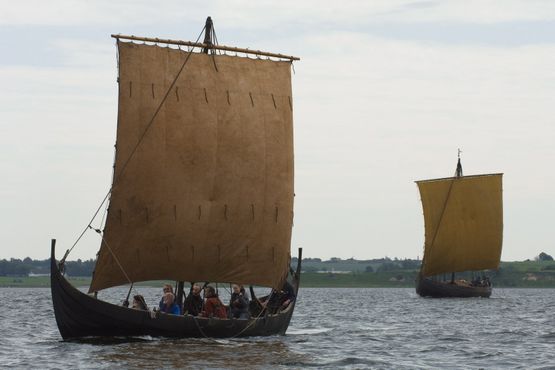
331, 328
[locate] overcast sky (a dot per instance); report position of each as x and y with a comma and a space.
385, 94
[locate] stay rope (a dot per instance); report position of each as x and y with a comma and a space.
251, 323
441, 215
124, 166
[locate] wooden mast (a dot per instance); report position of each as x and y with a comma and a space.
208, 36
208, 30
458, 174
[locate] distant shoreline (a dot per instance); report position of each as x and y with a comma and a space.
319, 280
351, 273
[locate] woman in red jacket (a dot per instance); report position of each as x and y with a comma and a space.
213, 307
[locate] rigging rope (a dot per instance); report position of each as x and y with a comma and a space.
155, 113
440, 219
252, 321
115, 178
86, 227
115, 257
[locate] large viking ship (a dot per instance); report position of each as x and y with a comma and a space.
463, 219
202, 188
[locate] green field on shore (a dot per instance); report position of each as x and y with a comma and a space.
527, 274
37, 281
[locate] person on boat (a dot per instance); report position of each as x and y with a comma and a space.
288, 295
213, 307
139, 303
169, 305
167, 288
272, 301
244, 292
487, 281
193, 302
239, 304
279, 299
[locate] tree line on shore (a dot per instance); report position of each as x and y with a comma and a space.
26, 266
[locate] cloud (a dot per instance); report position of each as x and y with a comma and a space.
378, 103
370, 122
262, 14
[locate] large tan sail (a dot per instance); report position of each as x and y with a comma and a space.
463, 218
208, 194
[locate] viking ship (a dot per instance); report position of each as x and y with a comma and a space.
202, 188
463, 220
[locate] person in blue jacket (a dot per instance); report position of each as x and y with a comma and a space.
168, 304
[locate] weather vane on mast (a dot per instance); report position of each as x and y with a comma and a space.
459, 171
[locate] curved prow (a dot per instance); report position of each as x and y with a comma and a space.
55, 289
53, 264
53, 250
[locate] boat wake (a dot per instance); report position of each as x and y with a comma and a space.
307, 331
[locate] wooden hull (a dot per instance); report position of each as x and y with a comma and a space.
80, 315
439, 289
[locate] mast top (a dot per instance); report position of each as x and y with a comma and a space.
208, 30
459, 171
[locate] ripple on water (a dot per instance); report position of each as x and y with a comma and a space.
331, 328
311, 331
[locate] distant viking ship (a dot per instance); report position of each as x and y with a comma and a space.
463, 218
202, 188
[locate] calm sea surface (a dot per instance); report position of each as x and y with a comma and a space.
331, 328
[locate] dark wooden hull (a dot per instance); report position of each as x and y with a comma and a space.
79, 315
440, 289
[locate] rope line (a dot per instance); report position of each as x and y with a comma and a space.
119, 264
252, 321
87, 227
256, 318
115, 178
440, 219
115, 257
155, 113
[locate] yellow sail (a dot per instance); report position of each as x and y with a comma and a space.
463, 219
208, 193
